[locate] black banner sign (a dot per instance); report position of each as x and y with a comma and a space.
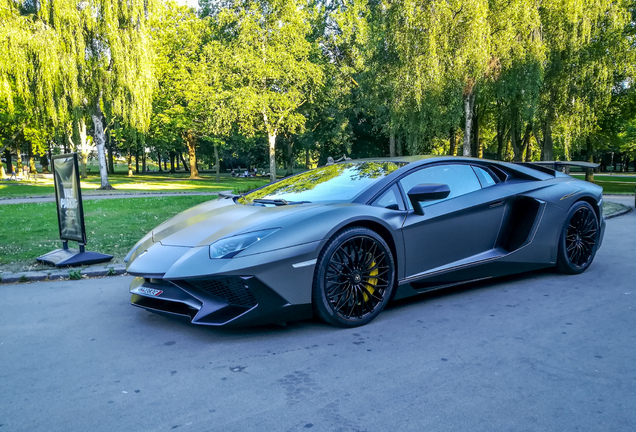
68, 195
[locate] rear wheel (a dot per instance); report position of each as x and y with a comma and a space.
354, 278
579, 239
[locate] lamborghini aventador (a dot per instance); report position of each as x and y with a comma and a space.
340, 241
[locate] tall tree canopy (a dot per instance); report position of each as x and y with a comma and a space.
511, 79
272, 72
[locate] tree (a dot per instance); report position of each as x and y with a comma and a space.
588, 52
191, 102
272, 73
116, 74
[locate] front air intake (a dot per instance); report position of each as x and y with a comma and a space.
232, 290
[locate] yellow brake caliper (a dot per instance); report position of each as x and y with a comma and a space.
371, 282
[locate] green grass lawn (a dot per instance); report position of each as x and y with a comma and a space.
613, 184
113, 226
139, 183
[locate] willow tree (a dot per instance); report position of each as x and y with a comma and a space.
515, 75
589, 57
66, 60
429, 58
33, 97
272, 71
116, 75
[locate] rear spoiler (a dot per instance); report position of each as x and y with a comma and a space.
558, 165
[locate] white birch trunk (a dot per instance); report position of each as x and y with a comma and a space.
100, 143
469, 99
271, 137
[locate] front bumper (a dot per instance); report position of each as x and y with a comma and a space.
258, 289
216, 301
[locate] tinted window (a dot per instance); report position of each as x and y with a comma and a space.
333, 183
391, 199
485, 178
461, 179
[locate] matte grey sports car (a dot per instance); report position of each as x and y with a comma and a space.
340, 241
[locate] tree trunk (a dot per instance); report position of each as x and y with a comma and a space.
44, 161
7, 156
475, 147
392, 144
398, 146
111, 159
183, 161
159, 161
589, 172
100, 143
529, 147
18, 159
173, 169
453, 142
191, 142
290, 157
306, 158
143, 162
469, 101
50, 157
32, 168
81, 127
217, 163
271, 137
130, 172
547, 150
515, 139
525, 144
500, 139
137, 159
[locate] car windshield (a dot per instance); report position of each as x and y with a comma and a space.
331, 183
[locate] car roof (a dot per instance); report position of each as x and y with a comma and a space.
525, 170
402, 159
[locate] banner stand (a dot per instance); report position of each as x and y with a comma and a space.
70, 216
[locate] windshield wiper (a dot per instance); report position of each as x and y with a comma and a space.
278, 202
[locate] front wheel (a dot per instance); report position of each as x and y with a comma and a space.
354, 278
579, 239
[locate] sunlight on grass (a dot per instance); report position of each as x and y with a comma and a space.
140, 183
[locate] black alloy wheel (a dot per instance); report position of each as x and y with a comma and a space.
354, 278
579, 239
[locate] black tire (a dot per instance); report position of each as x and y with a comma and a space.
579, 239
354, 278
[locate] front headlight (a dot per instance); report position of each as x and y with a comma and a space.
230, 246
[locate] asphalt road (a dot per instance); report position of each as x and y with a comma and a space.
538, 352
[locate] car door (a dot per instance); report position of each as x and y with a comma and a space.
456, 230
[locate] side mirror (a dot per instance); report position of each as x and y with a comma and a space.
427, 192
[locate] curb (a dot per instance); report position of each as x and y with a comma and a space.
619, 213
62, 274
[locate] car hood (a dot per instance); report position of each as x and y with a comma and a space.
211, 221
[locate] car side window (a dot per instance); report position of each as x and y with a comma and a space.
391, 199
485, 178
461, 179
